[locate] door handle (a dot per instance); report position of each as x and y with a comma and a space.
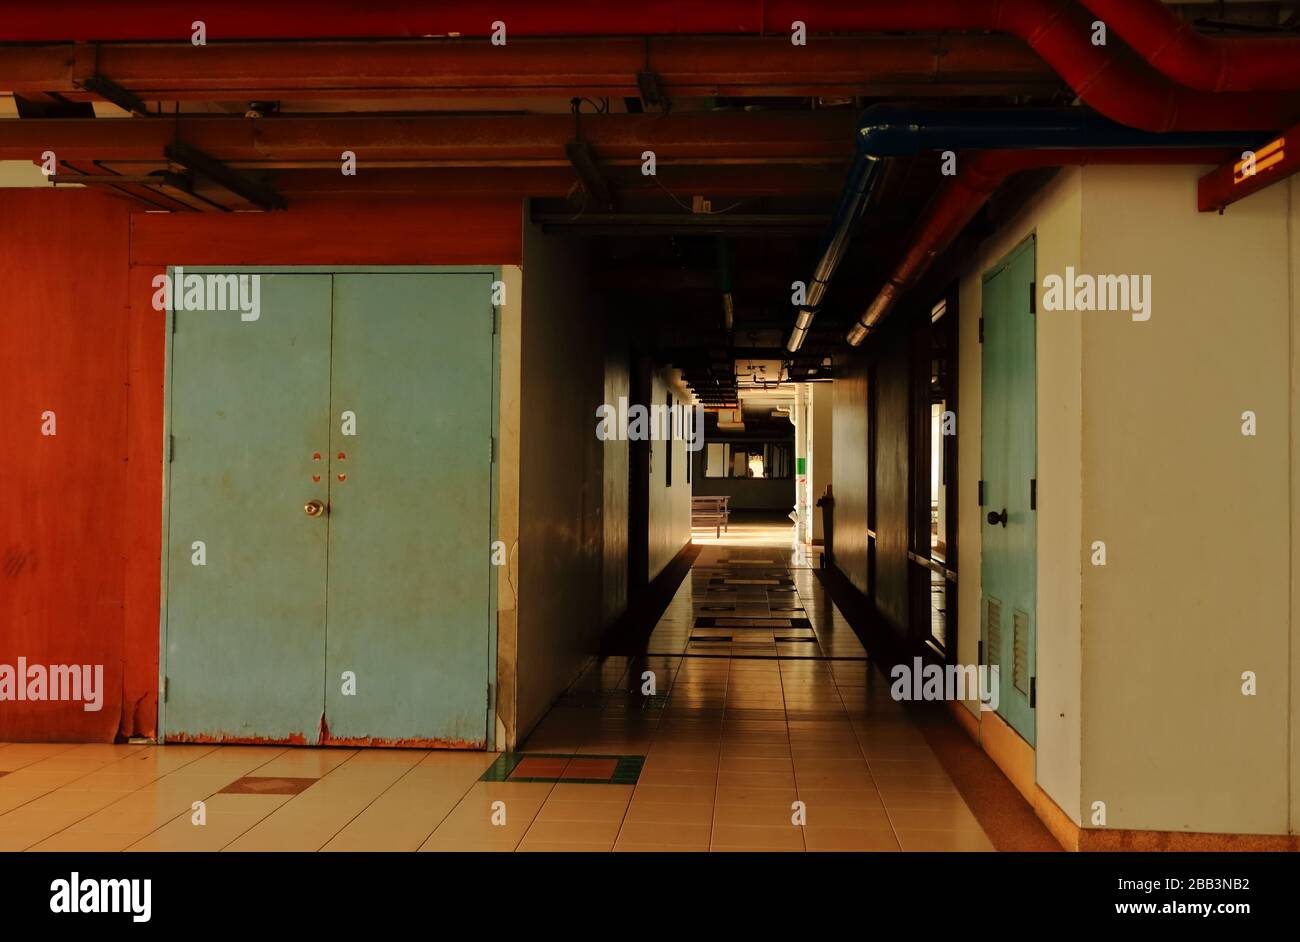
996, 518
313, 508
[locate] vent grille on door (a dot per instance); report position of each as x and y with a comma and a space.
1020, 651
993, 630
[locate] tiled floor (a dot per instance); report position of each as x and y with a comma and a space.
764, 728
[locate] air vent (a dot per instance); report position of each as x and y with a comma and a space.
993, 633
1020, 652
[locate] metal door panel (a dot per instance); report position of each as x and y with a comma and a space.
245, 633
410, 509
1009, 451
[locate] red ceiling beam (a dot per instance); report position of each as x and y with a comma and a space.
87, 20
1246, 174
681, 181
1060, 31
792, 137
686, 66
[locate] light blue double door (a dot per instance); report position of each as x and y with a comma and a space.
327, 571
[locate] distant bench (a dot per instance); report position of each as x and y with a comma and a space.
711, 512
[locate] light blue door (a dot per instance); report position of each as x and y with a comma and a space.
410, 509
329, 523
1009, 460
245, 566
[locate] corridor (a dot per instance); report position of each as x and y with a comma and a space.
743, 426
763, 700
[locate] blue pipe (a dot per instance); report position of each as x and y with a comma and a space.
897, 131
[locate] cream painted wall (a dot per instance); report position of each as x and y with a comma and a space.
1140, 445
1053, 216
1293, 245
508, 509
1196, 517
821, 454
670, 507
23, 173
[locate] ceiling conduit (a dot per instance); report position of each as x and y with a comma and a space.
891, 131
1209, 63
981, 173
1118, 85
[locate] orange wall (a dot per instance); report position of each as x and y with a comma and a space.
81, 512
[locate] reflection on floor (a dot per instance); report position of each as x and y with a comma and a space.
753, 722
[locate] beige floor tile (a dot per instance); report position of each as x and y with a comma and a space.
756, 794
86, 842
570, 811
24, 838
675, 794
750, 814
948, 818
702, 778
552, 847
644, 812
20, 755
923, 840
850, 838
571, 832
744, 837
663, 833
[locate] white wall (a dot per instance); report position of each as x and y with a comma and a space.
1139, 445
1196, 517
1053, 216
821, 457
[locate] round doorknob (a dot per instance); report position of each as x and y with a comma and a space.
995, 518
313, 508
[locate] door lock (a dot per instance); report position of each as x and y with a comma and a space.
995, 518
313, 508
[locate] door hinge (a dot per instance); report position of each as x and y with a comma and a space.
171, 320
979, 651
167, 685
492, 449
981, 497
495, 314
171, 448
1033, 493
489, 696
981, 330
1033, 692
1033, 298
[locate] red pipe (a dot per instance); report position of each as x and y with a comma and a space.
1188, 57
982, 172
1124, 90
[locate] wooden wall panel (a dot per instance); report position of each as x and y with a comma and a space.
63, 349
81, 511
